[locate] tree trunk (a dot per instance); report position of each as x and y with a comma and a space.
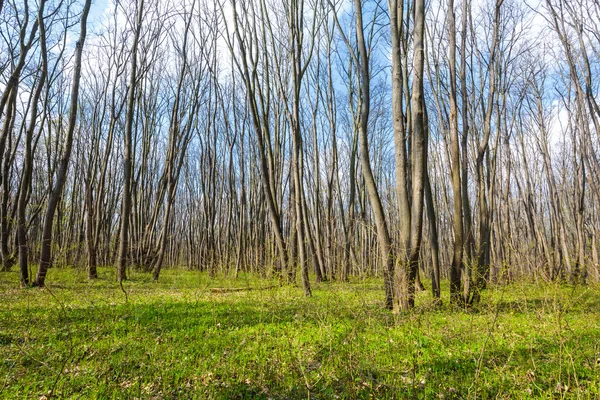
127, 161
55, 195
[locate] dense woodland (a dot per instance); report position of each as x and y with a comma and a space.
415, 140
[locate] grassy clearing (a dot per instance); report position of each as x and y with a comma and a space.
176, 339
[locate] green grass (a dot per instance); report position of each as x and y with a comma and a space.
176, 339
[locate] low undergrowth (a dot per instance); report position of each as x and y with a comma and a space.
179, 339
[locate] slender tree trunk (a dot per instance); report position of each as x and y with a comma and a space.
419, 151
455, 170
91, 248
383, 236
28, 159
433, 232
127, 149
7, 257
55, 195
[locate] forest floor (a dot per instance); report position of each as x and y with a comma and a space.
179, 339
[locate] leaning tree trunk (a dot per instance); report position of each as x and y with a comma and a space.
46, 255
383, 236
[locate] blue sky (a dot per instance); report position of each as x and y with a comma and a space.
97, 10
